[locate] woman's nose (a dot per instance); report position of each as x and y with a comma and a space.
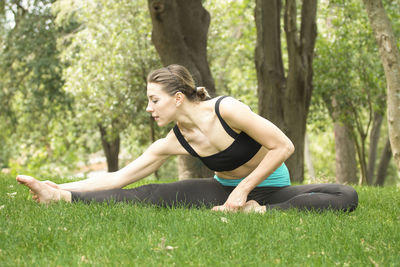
149, 108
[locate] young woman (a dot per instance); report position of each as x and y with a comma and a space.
246, 151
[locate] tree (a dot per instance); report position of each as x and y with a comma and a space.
108, 59
179, 34
373, 145
351, 87
285, 99
383, 164
390, 58
231, 41
346, 164
31, 96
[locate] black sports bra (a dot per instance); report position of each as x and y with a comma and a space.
238, 153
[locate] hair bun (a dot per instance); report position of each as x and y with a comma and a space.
202, 93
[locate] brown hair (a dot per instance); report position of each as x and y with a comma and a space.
176, 78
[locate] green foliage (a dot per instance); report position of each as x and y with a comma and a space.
349, 82
30, 83
108, 60
120, 234
392, 8
231, 43
45, 129
346, 64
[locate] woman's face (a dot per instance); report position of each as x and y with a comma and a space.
161, 105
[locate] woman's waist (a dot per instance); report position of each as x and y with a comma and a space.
233, 175
238, 173
280, 177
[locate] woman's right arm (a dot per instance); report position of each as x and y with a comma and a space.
147, 163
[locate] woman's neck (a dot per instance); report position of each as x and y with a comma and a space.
193, 114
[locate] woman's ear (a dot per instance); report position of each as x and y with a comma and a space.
179, 97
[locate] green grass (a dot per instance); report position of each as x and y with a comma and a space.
65, 234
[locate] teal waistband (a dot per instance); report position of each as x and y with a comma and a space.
279, 178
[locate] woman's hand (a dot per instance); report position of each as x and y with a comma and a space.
235, 202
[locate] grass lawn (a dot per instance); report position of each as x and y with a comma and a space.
63, 234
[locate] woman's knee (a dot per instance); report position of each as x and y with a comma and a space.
350, 197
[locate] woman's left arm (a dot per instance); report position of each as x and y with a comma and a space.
279, 146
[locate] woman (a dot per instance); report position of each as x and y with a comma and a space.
246, 151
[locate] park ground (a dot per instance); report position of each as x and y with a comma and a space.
115, 234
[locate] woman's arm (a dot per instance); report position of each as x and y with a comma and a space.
279, 146
147, 163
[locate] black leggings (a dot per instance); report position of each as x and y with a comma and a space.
208, 192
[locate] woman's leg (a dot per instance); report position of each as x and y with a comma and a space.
191, 193
312, 197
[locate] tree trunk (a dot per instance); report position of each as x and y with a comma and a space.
180, 29
390, 57
111, 149
383, 164
346, 164
152, 140
308, 159
179, 34
286, 101
373, 146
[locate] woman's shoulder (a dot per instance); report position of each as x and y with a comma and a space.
236, 114
230, 106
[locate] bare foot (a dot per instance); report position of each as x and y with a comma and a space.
253, 206
42, 192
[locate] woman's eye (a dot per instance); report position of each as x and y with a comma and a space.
154, 101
